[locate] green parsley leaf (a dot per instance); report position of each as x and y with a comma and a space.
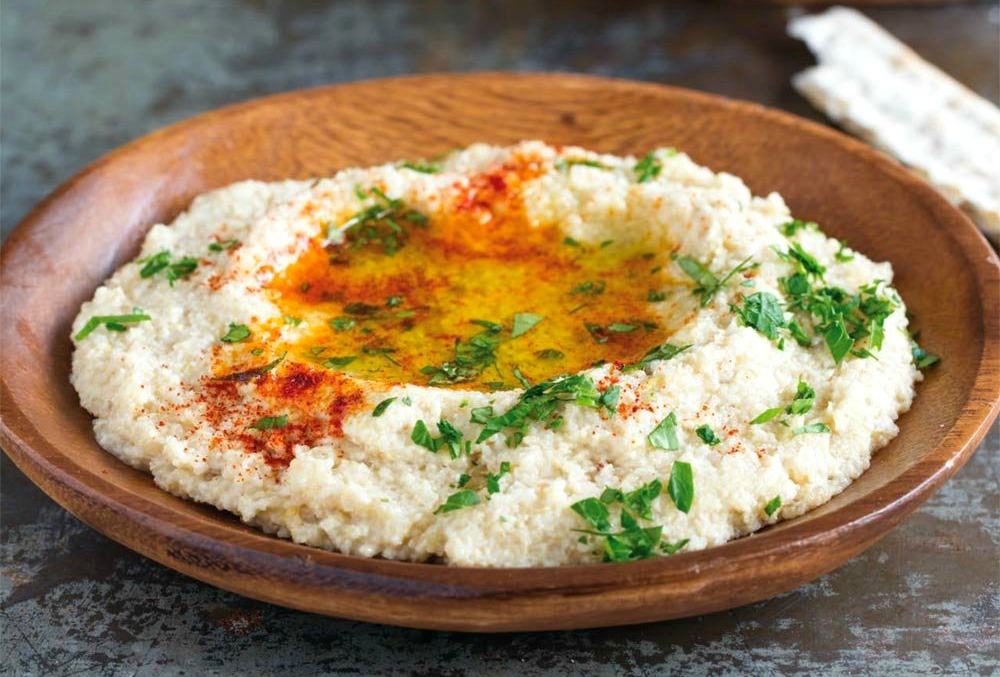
842, 254
382, 406
762, 311
550, 354
805, 397
681, 485
795, 225
674, 548
571, 242
236, 333
589, 287
708, 436
380, 224
271, 422
341, 361
622, 327
460, 499
294, 321
422, 436
641, 500
921, 358
563, 165
655, 296
838, 340
767, 415
249, 374
342, 323
811, 428
523, 322
493, 481
664, 351
463, 479
112, 322
472, 357
773, 505
224, 245
394, 301
594, 511
181, 269
422, 167
664, 435
648, 168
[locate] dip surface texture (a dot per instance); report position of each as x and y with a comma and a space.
505, 357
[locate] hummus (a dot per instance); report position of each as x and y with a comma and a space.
516, 356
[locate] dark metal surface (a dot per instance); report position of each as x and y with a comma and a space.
81, 78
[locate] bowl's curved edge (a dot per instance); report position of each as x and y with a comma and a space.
87, 500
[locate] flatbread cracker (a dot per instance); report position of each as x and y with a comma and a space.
876, 87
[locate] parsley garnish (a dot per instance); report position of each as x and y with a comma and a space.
236, 333
270, 422
341, 361
571, 242
811, 428
379, 224
708, 284
648, 168
842, 254
681, 486
110, 322
343, 323
589, 287
550, 354
523, 322
382, 406
708, 435
664, 351
450, 437
460, 499
795, 225
223, 245
472, 356
493, 481
294, 321
161, 261
773, 505
422, 167
633, 542
655, 296
541, 403
921, 358
762, 311
664, 435
563, 165
249, 374
803, 402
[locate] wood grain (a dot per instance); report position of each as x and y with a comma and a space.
71, 242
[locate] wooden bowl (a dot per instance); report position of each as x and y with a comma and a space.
94, 223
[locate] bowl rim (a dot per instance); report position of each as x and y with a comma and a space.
87, 494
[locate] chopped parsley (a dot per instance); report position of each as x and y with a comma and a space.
843, 255
564, 165
921, 358
571, 242
381, 224
523, 322
294, 321
664, 351
773, 505
542, 403
270, 422
762, 311
236, 333
450, 437
460, 499
382, 406
422, 167
337, 362
708, 436
633, 541
223, 245
493, 481
802, 403
550, 354
664, 435
175, 270
111, 323
249, 374
590, 287
648, 168
811, 428
655, 296
681, 485
708, 285
343, 323
795, 225
472, 357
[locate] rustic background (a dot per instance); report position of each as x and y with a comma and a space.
78, 79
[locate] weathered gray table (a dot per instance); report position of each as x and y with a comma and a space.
81, 78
